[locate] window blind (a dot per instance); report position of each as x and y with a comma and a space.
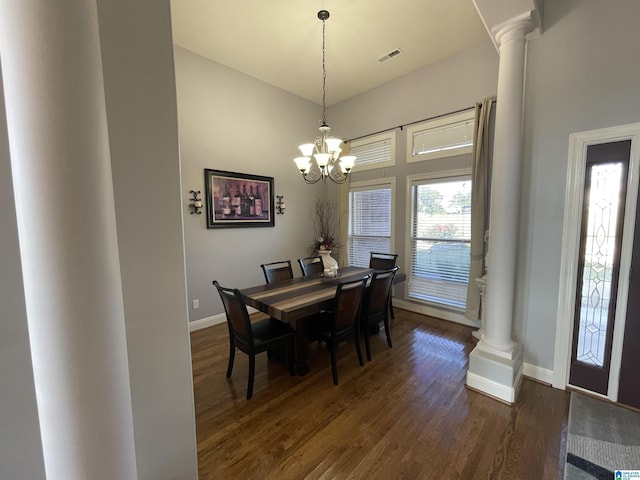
455, 136
372, 153
441, 137
369, 223
440, 241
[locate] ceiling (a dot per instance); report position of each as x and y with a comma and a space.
280, 41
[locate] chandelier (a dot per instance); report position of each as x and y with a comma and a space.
326, 162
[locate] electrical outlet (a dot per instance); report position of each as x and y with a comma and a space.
196, 304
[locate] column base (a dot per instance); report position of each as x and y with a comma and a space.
477, 334
508, 350
494, 374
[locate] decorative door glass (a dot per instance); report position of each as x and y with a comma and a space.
599, 254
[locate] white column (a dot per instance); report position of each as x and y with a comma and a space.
505, 186
495, 364
66, 223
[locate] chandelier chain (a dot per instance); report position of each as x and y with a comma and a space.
326, 161
324, 77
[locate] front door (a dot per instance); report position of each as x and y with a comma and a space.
605, 191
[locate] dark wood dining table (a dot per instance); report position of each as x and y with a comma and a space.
294, 301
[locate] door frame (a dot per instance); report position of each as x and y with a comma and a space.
578, 143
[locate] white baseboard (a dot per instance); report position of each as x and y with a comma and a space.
493, 389
540, 374
207, 322
494, 375
412, 307
215, 320
435, 312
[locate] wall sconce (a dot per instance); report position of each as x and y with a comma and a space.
196, 203
280, 207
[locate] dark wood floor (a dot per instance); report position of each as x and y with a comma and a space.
404, 415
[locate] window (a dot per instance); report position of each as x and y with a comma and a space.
375, 151
370, 220
440, 240
442, 137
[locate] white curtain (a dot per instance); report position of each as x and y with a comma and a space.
479, 205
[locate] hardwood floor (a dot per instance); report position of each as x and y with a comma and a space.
404, 415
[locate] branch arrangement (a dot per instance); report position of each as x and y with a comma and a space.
325, 224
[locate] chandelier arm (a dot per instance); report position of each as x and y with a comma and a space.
315, 173
339, 182
338, 176
310, 182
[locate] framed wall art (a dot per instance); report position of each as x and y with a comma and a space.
238, 199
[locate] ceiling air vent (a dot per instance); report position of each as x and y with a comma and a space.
391, 54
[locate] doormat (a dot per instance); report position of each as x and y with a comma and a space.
602, 439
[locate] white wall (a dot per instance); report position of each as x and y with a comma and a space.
139, 80
230, 121
20, 443
452, 84
582, 74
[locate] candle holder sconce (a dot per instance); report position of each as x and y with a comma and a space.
280, 207
196, 203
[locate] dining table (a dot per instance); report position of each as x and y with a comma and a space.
295, 301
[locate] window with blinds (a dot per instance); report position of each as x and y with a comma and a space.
370, 221
442, 137
375, 151
440, 241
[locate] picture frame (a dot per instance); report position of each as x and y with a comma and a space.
237, 200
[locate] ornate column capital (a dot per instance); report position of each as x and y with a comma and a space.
514, 29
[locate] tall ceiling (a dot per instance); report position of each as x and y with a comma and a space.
280, 41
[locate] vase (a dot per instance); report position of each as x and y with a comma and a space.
327, 260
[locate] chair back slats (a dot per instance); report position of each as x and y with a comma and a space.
311, 265
382, 261
379, 291
277, 271
348, 302
237, 314
341, 320
377, 305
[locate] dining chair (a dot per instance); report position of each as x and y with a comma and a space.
375, 306
384, 261
253, 338
277, 271
311, 265
341, 320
